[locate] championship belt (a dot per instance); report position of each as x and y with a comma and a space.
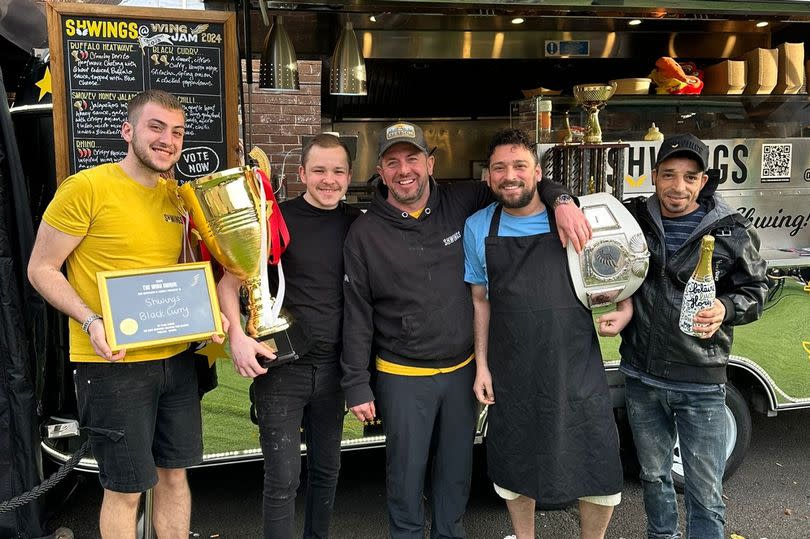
614, 262
231, 211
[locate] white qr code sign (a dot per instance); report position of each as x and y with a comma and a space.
776, 162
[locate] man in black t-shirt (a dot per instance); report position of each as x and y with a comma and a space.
307, 391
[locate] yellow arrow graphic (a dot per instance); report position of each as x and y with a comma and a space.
635, 182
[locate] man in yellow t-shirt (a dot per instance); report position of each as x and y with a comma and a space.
141, 409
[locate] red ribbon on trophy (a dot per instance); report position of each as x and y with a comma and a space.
278, 237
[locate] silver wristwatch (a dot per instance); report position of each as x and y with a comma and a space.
562, 199
90, 319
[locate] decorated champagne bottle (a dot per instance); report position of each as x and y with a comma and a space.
700, 291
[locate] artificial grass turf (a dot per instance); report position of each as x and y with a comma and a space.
774, 342
226, 415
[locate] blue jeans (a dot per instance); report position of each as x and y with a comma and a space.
700, 420
287, 397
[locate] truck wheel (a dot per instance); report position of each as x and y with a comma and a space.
739, 436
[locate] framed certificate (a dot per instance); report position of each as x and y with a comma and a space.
157, 306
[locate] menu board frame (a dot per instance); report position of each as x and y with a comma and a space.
56, 15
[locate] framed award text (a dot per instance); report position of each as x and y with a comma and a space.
103, 55
157, 306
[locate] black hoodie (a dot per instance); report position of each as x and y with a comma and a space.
405, 295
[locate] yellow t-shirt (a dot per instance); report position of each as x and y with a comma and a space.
124, 225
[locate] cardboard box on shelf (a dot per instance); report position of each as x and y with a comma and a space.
790, 77
727, 77
761, 66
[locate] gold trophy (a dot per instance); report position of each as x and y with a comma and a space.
230, 212
592, 97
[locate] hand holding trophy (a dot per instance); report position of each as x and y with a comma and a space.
231, 212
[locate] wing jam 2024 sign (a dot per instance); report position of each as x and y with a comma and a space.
102, 58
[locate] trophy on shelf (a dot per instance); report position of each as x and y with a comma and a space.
592, 97
230, 211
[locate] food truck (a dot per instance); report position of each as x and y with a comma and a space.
462, 70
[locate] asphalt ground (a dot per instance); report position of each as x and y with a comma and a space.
768, 497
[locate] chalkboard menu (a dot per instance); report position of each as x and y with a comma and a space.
101, 56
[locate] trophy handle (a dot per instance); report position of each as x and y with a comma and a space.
280, 293
569, 135
187, 253
265, 213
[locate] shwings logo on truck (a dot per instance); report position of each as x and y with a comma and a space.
102, 29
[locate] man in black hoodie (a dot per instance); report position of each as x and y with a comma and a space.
675, 383
406, 302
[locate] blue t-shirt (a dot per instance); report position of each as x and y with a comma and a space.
476, 230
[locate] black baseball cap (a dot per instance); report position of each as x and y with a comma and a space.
401, 132
686, 145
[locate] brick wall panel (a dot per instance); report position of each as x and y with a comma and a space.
278, 120
292, 140
306, 120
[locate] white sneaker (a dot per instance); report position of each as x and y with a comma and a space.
510, 537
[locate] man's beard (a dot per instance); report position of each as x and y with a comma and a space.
142, 153
409, 198
521, 202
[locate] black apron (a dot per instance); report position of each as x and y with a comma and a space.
551, 433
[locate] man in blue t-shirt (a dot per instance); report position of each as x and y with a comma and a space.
551, 434
476, 228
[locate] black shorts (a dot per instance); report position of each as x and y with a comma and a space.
140, 416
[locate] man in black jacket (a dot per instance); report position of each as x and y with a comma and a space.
674, 380
406, 302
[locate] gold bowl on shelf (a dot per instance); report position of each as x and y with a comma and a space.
592, 98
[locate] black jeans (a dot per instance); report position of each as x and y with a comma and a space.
287, 397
